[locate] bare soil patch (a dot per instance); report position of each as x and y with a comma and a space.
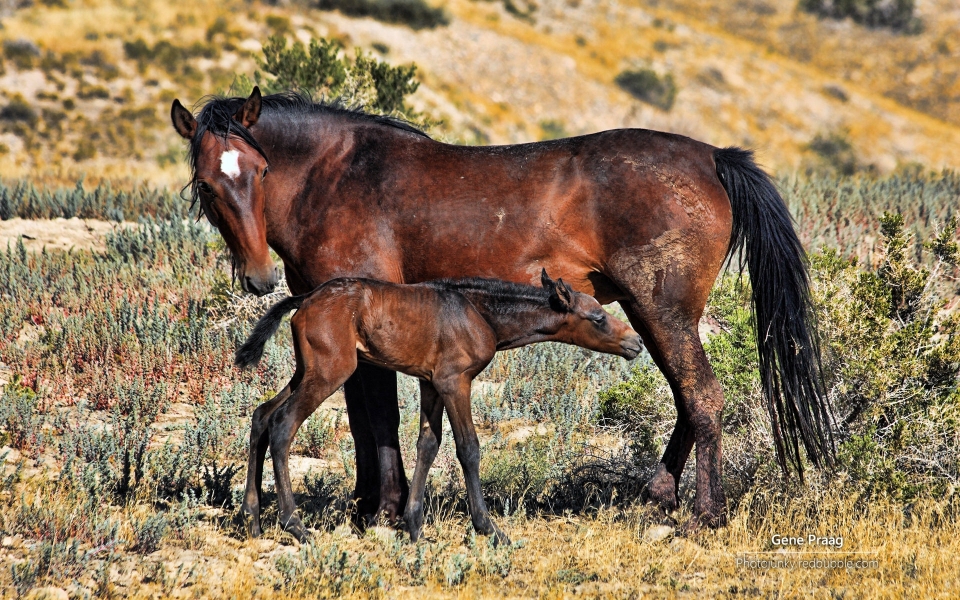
57, 234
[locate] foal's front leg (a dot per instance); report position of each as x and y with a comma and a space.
456, 401
431, 415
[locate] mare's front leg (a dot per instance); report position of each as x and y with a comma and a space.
431, 415
379, 389
259, 441
455, 393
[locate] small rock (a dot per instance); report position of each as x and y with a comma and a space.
47, 593
658, 532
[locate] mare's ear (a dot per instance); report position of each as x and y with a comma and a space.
249, 113
545, 280
183, 120
564, 295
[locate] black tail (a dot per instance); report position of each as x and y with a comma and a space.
787, 342
251, 351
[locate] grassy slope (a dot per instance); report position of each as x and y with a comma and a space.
489, 75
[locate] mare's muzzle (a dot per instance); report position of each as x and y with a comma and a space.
261, 283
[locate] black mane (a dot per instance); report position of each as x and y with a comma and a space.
216, 117
499, 297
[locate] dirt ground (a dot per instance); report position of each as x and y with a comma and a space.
56, 234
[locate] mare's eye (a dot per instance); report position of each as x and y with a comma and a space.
264, 174
205, 188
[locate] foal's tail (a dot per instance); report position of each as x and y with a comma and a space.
787, 342
251, 351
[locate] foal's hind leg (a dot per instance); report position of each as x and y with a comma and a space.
259, 441
431, 433
283, 426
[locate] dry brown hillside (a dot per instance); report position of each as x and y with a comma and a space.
86, 84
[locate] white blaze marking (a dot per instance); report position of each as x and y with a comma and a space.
230, 163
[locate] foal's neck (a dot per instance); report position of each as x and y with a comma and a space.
517, 322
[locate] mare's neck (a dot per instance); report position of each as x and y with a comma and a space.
298, 146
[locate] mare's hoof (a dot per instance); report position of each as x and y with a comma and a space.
294, 526
500, 538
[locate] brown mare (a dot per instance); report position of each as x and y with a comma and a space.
643, 218
443, 332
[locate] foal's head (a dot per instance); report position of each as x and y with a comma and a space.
228, 171
586, 324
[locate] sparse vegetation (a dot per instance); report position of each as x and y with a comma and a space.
650, 87
122, 361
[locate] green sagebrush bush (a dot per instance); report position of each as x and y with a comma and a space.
891, 358
21, 198
322, 69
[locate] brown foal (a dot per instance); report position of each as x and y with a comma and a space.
444, 333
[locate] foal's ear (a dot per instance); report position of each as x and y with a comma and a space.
545, 280
564, 295
249, 113
183, 120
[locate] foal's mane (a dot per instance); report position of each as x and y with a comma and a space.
216, 117
499, 297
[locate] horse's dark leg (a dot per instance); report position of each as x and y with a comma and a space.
383, 413
366, 494
431, 433
259, 441
675, 345
284, 423
456, 400
664, 488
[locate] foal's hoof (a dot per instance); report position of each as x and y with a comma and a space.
249, 522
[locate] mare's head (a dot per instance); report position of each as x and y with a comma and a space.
228, 170
586, 324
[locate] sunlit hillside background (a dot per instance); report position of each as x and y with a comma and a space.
123, 422
85, 85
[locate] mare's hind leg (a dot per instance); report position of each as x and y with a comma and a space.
674, 344
259, 441
431, 415
455, 393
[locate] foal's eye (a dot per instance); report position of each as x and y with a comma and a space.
598, 319
264, 173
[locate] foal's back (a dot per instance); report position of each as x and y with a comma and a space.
415, 329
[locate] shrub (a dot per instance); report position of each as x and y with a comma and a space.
23, 52
18, 110
416, 14
891, 14
320, 69
647, 86
835, 153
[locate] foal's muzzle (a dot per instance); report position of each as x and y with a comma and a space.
631, 346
